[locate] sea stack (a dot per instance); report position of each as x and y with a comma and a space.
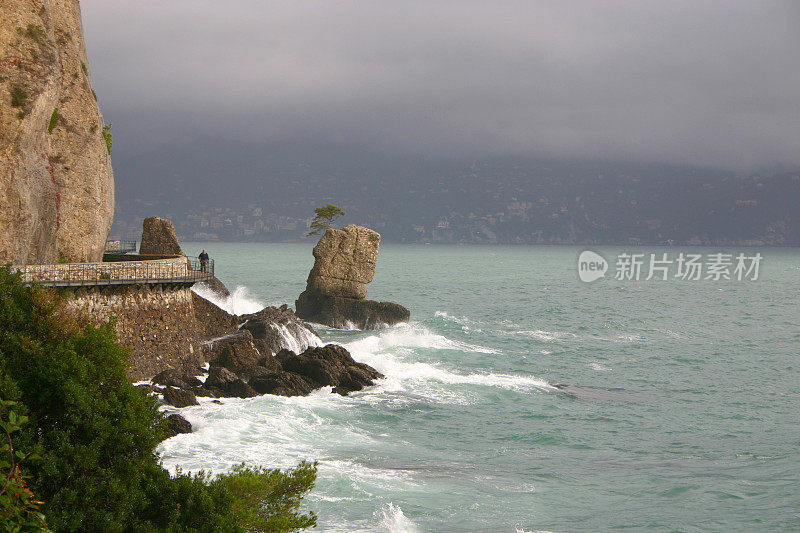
337, 284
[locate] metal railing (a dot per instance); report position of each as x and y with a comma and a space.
182, 271
120, 247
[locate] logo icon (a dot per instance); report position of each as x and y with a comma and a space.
591, 266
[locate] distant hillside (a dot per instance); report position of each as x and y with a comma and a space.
268, 192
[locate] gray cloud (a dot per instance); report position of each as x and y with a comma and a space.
710, 83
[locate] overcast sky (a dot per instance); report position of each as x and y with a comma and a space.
705, 82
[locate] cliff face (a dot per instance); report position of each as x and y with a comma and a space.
56, 182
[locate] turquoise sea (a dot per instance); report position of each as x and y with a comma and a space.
680, 409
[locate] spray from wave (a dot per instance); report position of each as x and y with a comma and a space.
295, 337
240, 301
392, 520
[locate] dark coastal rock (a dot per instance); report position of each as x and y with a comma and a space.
283, 384
212, 321
235, 352
239, 389
340, 312
219, 377
158, 238
179, 397
177, 424
331, 365
274, 328
175, 378
223, 382
344, 262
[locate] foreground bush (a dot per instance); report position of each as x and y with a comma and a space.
19, 508
95, 434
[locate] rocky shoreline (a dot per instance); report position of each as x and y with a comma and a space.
268, 352
274, 351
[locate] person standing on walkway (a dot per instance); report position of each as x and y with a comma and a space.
203, 257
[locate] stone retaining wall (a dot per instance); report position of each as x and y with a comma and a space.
156, 322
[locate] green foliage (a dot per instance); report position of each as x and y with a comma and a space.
53, 121
94, 94
95, 435
107, 136
269, 500
83, 68
19, 510
19, 96
323, 218
94, 431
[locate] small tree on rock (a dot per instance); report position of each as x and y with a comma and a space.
323, 218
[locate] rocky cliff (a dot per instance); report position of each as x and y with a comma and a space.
56, 182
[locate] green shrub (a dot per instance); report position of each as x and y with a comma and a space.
267, 499
19, 510
53, 121
95, 435
107, 136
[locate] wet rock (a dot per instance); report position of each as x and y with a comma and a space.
179, 397
176, 378
348, 312
282, 384
212, 320
239, 389
235, 352
219, 377
223, 382
158, 238
274, 328
177, 424
333, 366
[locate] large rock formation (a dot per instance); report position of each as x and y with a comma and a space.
337, 284
345, 262
56, 183
158, 238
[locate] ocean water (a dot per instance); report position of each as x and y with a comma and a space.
679, 412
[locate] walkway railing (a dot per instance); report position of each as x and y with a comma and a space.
179, 270
120, 247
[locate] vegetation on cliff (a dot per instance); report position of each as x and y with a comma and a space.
323, 218
94, 435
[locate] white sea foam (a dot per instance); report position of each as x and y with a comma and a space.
240, 301
467, 325
542, 335
599, 367
388, 350
414, 336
